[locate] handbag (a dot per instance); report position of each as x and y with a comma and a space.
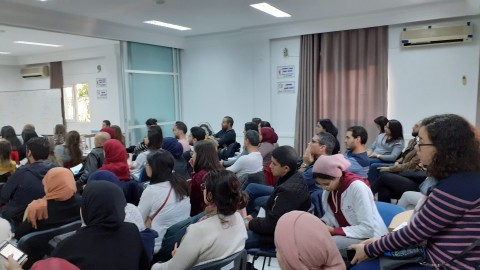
394, 259
148, 222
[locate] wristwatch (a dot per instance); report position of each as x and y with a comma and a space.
304, 165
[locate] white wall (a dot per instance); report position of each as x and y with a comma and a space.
79, 66
424, 81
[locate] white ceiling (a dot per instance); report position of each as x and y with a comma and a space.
203, 16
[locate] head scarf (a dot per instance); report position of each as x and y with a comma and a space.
269, 135
116, 159
103, 204
53, 264
130, 195
331, 165
303, 242
173, 146
59, 185
109, 131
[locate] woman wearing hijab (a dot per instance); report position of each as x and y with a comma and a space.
350, 211
269, 138
176, 149
106, 242
303, 242
221, 232
116, 159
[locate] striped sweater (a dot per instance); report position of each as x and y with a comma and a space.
449, 222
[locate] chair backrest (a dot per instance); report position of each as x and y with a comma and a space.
237, 261
388, 211
35, 244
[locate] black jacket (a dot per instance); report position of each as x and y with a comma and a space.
93, 161
290, 194
24, 186
225, 138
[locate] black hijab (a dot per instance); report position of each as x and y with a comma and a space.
103, 204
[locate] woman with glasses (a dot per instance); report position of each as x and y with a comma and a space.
221, 232
165, 201
449, 220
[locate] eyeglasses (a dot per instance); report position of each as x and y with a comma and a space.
422, 144
202, 187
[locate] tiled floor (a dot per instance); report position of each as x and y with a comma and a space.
259, 263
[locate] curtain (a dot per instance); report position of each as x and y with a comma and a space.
56, 81
352, 83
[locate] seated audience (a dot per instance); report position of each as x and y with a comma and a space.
180, 131
268, 141
27, 134
220, 233
58, 207
204, 160
448, 221
326, 125
8, 133
265, 124
94, 159
257, 121
303, 242
408, 160
154, 141
350, 212
129, 188
7, 165
175, 148
25, 185
387, 147
197, 134
116, 159
229, 162
59, 134
118, 134
106, 123
142, 146
251, 163
356, 154
291, 193
110, 132
106, 241
69, 154
165, 201
411, 199
227, 135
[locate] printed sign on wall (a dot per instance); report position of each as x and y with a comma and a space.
285, 72
286, 87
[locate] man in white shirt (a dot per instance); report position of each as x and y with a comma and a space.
251, 163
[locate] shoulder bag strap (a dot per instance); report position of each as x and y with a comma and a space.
161, 207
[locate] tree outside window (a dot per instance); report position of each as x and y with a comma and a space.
77, 103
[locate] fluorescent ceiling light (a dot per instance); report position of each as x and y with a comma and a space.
270, 10
4, 53
168, 25
37, 44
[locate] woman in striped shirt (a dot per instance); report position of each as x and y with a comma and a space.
449, 220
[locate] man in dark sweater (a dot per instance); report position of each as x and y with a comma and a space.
25, 185
290, 194
227, 135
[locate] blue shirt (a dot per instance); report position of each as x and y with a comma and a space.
359, 163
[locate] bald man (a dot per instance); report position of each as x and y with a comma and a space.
94, 159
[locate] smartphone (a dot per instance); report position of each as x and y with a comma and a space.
7, 249
350, 254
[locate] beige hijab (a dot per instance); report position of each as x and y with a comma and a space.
304, 243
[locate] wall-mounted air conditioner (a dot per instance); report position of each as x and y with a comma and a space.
435, 35
35, 72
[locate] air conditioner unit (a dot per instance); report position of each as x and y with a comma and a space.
434, 35
35, 72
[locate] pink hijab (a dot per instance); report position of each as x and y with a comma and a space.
303, 242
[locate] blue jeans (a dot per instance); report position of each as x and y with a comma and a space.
253, 240
373, 172
258, 195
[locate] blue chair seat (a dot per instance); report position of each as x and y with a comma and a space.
257, 252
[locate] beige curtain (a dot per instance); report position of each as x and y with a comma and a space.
352, 83
56, 81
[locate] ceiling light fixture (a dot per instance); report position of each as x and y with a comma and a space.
168, 25
267, 8
4, 52
37, 44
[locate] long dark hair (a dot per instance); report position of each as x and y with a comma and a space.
72, 143
8, 133
396, 130
329, 126
161, 162
381, 121
207, 158
5, 151
226, 191
456, 143
27, 134
155, 138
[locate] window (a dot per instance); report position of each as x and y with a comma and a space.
77, 103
